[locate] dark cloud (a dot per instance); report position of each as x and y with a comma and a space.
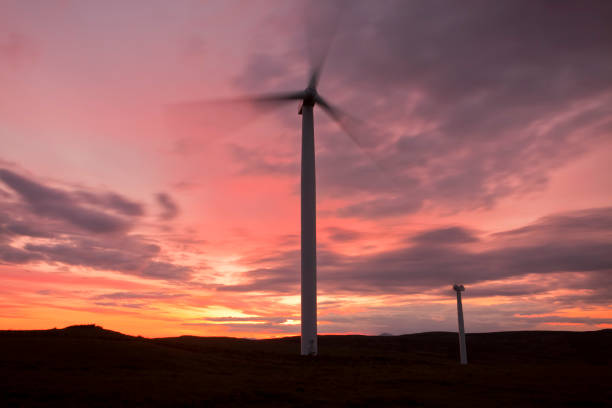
425, 265
450, 235
282, 279
59, 204
127, 255
473, 101
112, 201
271, 319
589, 222
138, 295
130, 255
564, 319
342, 234
115, 304
169, 206
514, 289
13, 255
382, 207
165, 270
420, 268
80, 228
592, 288
22, 228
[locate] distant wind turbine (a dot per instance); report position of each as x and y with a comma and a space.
308, 97
462, 350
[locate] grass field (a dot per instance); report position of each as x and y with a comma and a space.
90, 366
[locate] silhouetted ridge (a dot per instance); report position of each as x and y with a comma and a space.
91, 330
77, 331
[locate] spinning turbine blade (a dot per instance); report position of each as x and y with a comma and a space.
225, 115
280, 97
273, 98
353, 127
343, 119
320, 43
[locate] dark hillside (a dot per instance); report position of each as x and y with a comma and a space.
79, 331
90, 366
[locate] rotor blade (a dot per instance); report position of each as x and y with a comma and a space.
280, 97
354, 128
321, 31
224, 116
348, 123
257, 99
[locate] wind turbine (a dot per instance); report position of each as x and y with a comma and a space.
308, 98
462, 350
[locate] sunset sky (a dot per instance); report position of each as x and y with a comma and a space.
486, 159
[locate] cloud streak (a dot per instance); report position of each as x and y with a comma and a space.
169, 207
59, 204
80, 228
439, 257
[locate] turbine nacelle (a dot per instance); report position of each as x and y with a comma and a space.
310, 97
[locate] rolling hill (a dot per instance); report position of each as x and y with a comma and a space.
90, 366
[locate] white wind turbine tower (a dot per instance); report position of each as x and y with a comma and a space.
462, 349
308, 98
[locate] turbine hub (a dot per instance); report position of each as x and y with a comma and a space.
310, 95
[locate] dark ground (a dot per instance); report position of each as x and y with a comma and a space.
90, 366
